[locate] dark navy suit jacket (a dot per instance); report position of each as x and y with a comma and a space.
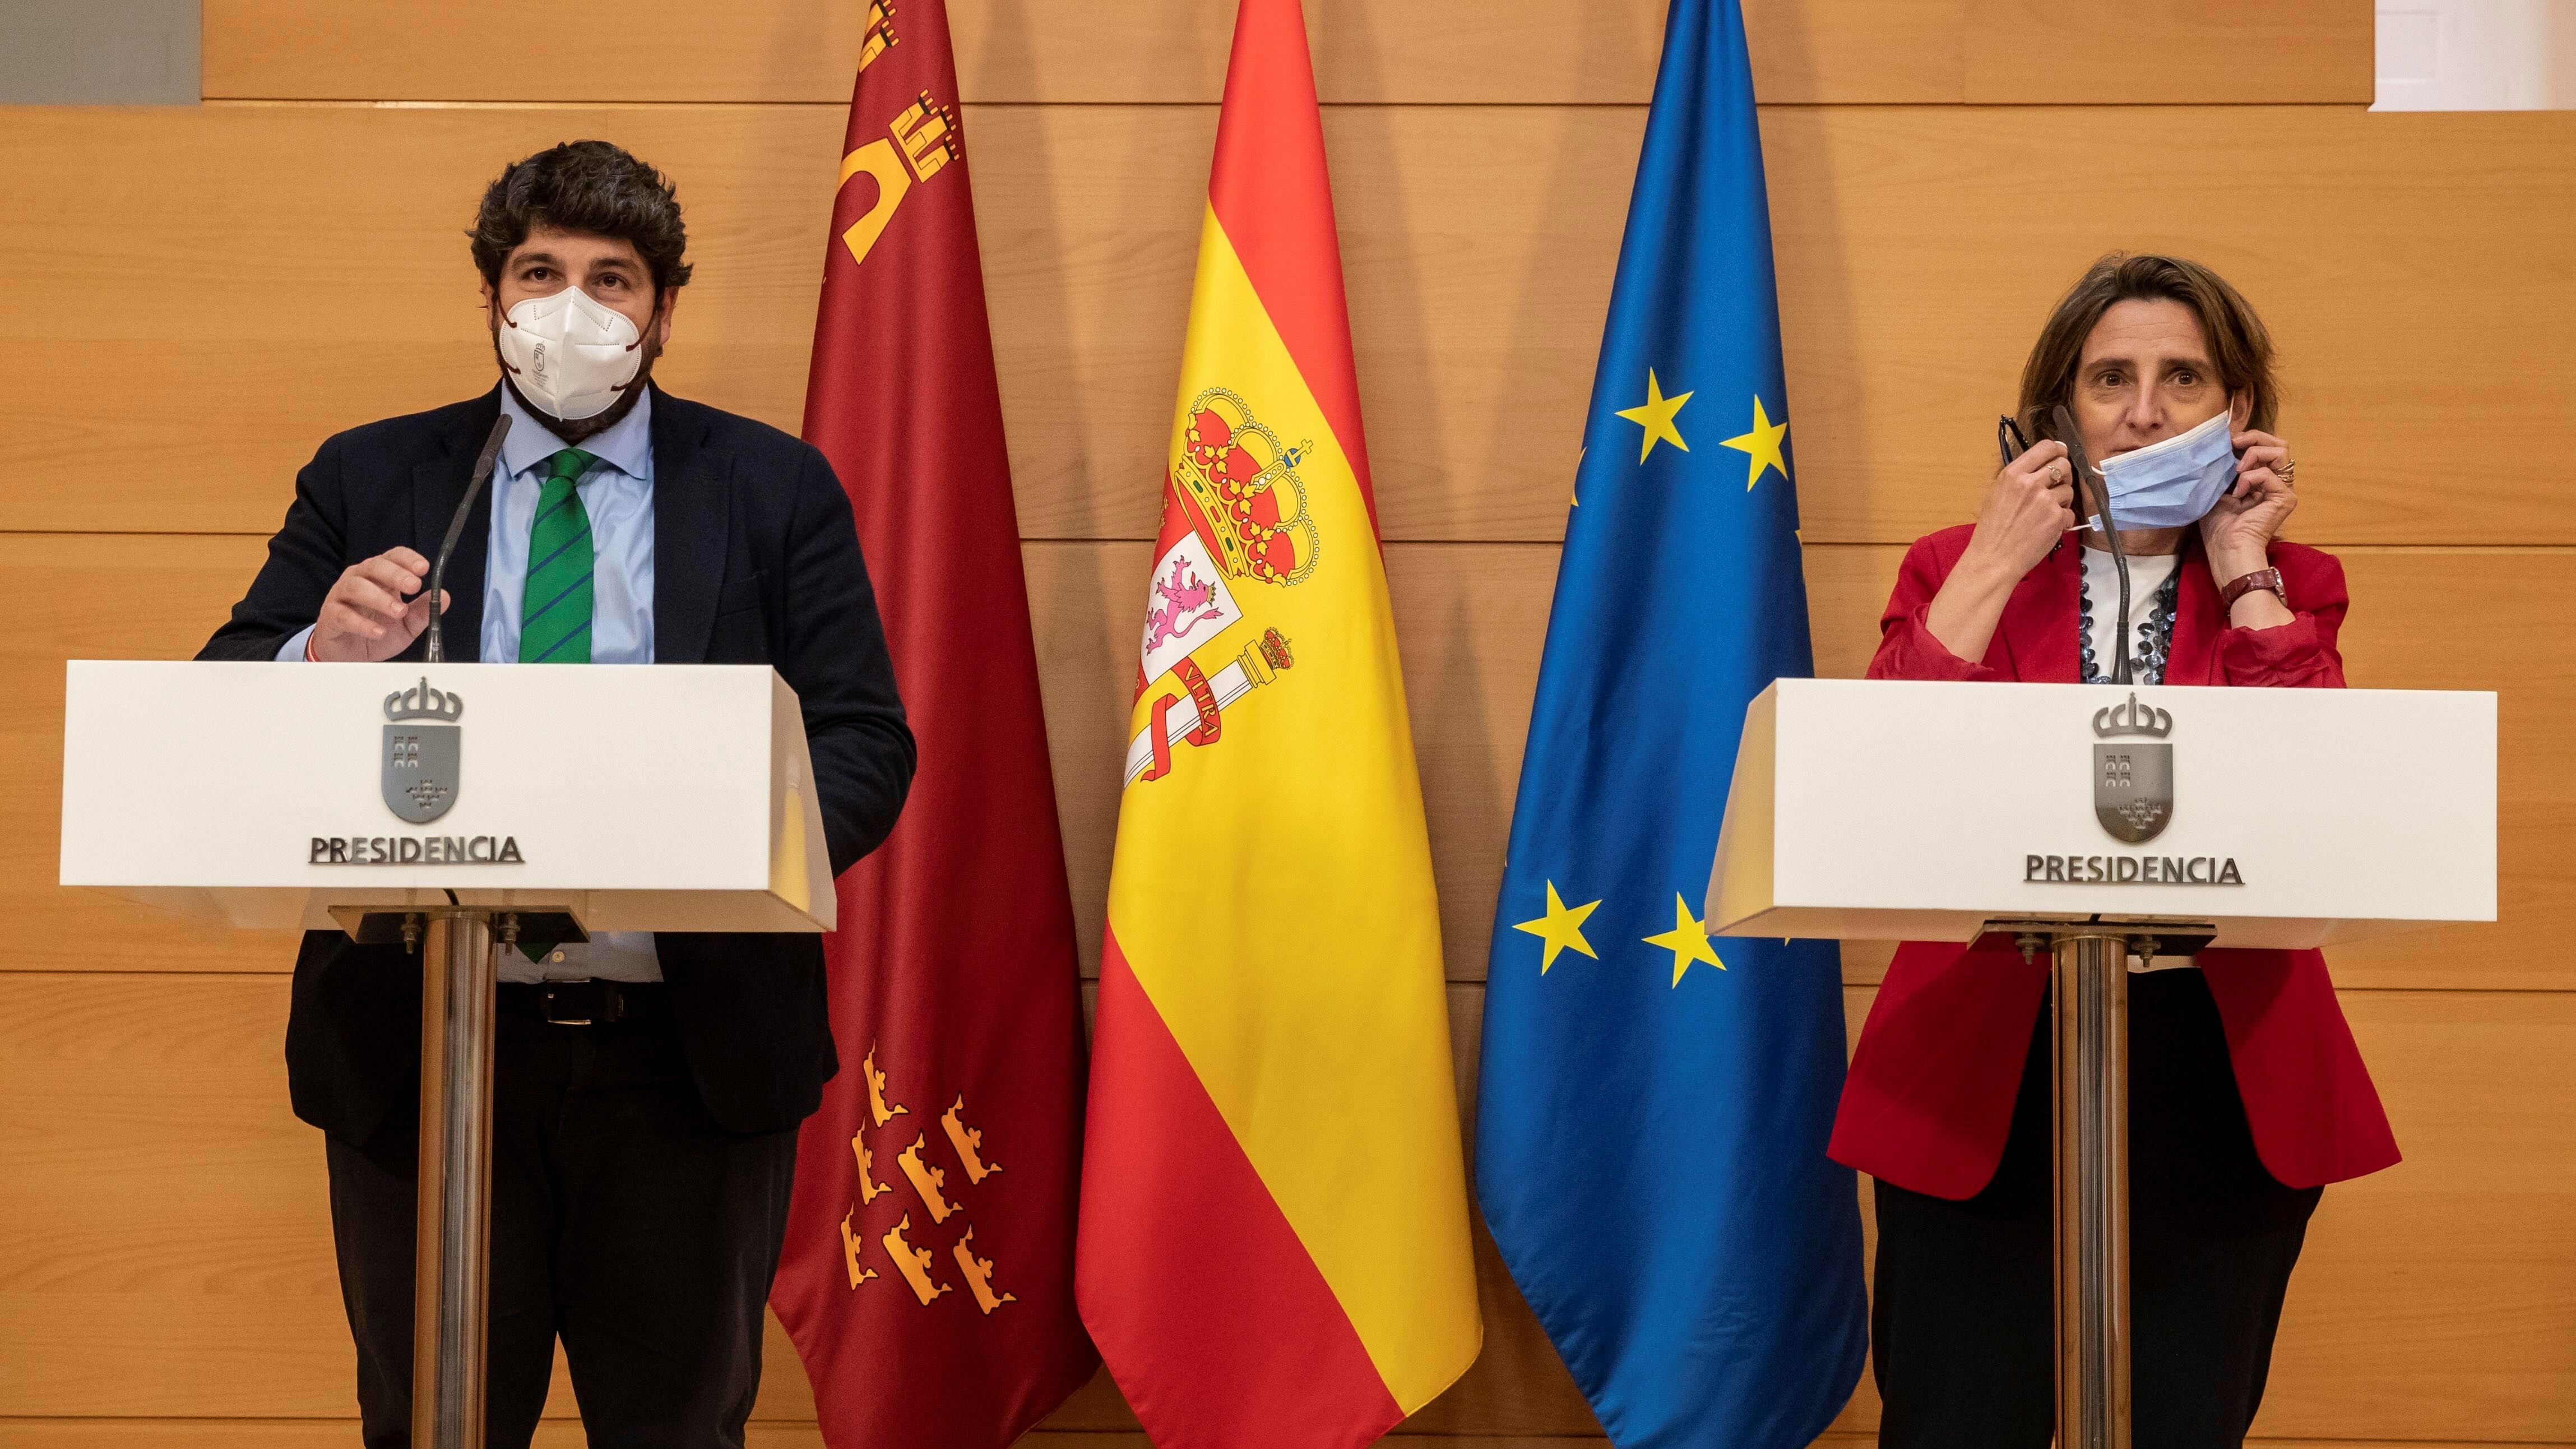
756, 561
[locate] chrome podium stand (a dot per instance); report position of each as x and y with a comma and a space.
2089, 1053
460, 966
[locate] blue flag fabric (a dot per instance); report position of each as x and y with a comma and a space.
1655, 1104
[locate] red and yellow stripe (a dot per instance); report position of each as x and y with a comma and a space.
1274, 1244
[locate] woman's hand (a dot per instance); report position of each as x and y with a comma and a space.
2026, 513
2029, 508
2238, 532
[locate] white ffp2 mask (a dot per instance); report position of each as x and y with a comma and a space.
569, 355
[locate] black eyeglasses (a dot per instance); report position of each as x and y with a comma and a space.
2009, 438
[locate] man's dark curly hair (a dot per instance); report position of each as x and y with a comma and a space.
587, 186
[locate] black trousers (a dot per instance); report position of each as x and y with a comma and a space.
623, 1221
1962, 1323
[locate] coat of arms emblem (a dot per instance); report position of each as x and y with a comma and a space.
2133, 770
421, 751
1234, 521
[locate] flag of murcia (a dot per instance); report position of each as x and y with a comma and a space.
1274, 1242
927, 1277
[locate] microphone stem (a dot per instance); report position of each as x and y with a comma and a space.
436, 652
2089, 481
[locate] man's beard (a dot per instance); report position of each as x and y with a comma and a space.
575, 431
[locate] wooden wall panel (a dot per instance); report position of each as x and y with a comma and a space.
1920, 253
169, 1239
2393, 641
2184, 50
166, 1209
1479, 244
2468, 1244
1471, 619
1402, 51
76, 596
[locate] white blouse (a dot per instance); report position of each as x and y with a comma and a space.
2147, 573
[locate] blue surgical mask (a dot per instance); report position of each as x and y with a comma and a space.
2175, 482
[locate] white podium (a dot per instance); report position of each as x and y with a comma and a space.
2099, 822
447, 807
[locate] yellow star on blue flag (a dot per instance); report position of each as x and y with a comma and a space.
1761, 444
1687, 940
1655, 415
1560, 928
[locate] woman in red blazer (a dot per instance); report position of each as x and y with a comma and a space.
2246, 1091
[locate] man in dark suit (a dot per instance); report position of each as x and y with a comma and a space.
647, 1086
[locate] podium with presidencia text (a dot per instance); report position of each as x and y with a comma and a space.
2101, 822
449, 808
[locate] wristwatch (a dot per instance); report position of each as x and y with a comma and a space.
2240, 586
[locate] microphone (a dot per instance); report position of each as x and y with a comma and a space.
474, 482
2101, 487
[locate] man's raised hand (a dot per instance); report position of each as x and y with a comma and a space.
375, 610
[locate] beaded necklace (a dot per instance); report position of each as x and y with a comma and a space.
2155, 633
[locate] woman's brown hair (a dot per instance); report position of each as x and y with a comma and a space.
2239, 345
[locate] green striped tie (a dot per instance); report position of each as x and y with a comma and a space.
554, 608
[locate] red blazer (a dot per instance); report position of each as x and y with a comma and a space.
1930, 1095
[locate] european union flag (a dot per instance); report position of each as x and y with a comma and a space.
1650, 1144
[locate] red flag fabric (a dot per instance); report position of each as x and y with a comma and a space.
927, 1278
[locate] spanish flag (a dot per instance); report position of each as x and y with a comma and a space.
1273, 1246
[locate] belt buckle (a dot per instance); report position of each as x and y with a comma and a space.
546, 1005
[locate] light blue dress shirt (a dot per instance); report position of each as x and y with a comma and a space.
617, 493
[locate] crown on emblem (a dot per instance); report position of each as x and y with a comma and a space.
1240, 484
880, 36
927, 132
422, 702
2132, 718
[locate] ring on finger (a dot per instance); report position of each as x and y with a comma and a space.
2285, 469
